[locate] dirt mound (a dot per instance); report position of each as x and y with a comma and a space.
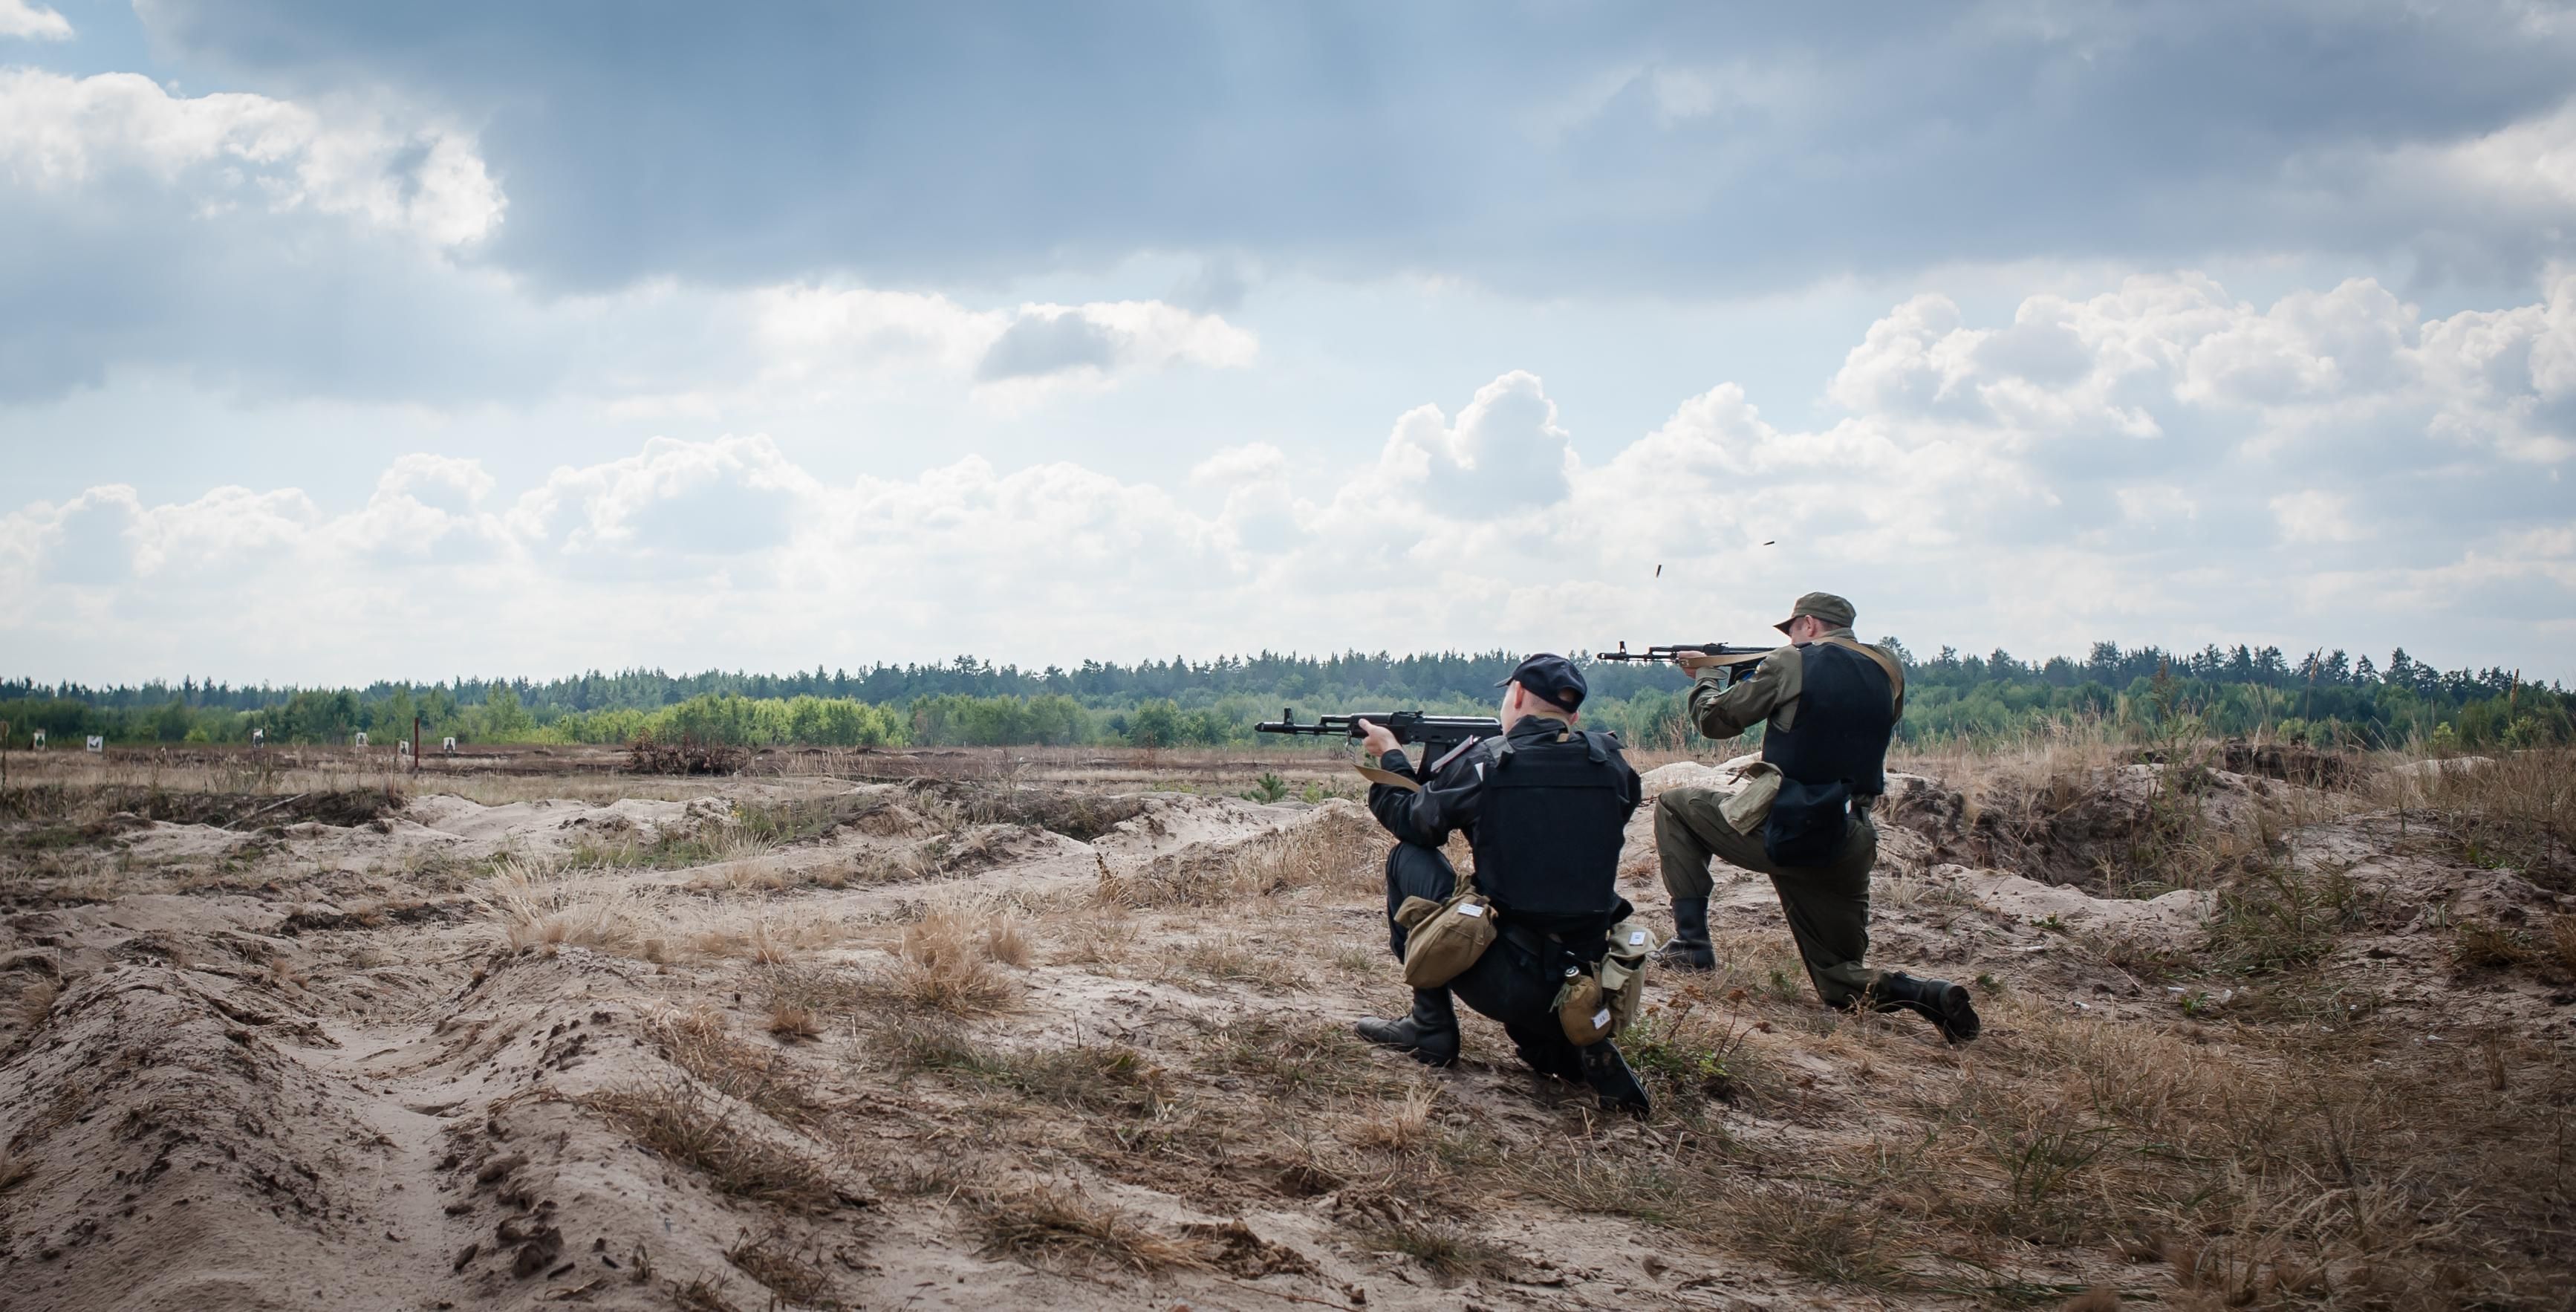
162, 1117
1079, 816
646, 755
808, 1044
2115, 831
69, 814
2289, 763
187, 1092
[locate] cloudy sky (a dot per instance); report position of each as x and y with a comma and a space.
343, 341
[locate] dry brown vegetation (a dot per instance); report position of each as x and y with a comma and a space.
955, 961
691, 1124
1091, 1042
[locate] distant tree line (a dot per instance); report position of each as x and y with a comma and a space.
2323, 697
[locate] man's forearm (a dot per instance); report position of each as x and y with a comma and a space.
1720, 713
1721, 710
1412, 817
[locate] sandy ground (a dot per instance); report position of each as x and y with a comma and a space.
633, 1054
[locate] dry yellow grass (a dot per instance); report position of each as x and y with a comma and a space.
947, 963
2299, 1153
1058, 1224
1100, 935
34, 1001
720, 1063
682, 1121
1393, 1126
789, 1020
790, 1268
1237, 958
1337, 851
535, 906
1006, 940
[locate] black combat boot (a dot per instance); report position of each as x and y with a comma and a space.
1608, 1074
1937, 1000
1690, 949
1429, 1035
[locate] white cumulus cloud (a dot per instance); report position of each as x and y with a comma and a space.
19, 18
2159, 462
60, 133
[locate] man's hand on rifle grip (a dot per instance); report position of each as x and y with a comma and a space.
1378, 739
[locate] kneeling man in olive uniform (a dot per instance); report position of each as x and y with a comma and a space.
1545, 808
1831, 705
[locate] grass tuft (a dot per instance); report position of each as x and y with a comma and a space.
1091, 1078
790, 1269
682, 1121
947, 963
1051, 1224
794, 1021
34, 1002
1451, 1253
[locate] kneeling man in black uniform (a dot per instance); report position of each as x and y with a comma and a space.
1545, 808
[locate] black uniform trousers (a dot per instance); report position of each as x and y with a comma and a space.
1506, 984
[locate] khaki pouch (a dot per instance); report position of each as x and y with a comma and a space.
1585, 1015
1442, 939
1597, 1006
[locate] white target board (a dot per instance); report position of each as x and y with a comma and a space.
97, 744
38, 738
448, 746
258, 737
362, 737
402, 746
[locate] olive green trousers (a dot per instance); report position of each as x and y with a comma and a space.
1827, 905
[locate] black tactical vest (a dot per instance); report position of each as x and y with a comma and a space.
1846, 715
1549, 828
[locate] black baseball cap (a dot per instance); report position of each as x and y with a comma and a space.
1551, 678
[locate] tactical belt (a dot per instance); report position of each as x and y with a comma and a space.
1550, 951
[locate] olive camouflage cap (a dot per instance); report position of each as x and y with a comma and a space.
1825, 606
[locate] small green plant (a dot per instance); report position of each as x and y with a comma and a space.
1687, 1054
2281, 916
2483, 858
1267, 789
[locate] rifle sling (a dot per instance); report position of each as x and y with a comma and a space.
1895, 676
1388, 777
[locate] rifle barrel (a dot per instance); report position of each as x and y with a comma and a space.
1668, 651
1407, 726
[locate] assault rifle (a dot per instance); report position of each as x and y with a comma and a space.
1734, 659
1438, 733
